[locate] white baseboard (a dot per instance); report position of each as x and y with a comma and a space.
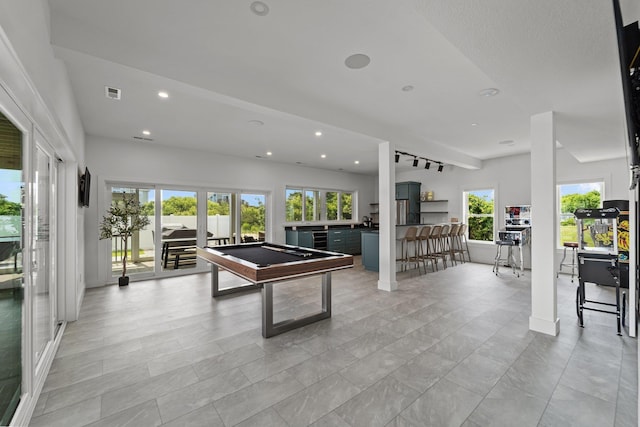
544, 326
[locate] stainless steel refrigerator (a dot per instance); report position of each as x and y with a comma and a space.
402, 212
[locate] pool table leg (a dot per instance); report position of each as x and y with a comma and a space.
214, 280
326, 294
215, 285
270, 329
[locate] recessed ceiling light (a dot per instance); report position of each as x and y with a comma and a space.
507, 142
357, 162
489, 92
357, 61
324, 156
474, 124
163, 94
259, 8
146, 132
318, 133
407, 88
256, 122
269, 153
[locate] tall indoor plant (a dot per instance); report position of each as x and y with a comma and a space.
123, 218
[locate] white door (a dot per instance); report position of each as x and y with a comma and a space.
43, 263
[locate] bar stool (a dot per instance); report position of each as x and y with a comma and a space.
574, 247
410, 236
445, 243
423, 246
434, 245
462, 244
439, 244
453, 235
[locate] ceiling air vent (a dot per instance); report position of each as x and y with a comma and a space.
140, 138
112, 92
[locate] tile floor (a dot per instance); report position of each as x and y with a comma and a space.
450, 348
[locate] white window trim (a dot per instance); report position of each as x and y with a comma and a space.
603, 197
323, 208
465, 212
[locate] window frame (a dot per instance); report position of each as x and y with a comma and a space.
559, 212
467, 214
202, 196
322, 201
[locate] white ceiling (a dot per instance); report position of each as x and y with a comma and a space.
226, 67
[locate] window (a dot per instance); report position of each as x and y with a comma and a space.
319, 205
313, 208
346, 205
253, 217
140, 247
479, 214
332, 205
179, 222
293, 200
183, 218
571, 197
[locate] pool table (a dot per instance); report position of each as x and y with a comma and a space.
264, 264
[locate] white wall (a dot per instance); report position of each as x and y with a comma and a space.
511, 179
137, 162
38, 86
26, 25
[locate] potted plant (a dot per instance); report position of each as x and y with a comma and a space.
122, 220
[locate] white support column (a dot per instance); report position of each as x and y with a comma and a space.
386, 199
544, 309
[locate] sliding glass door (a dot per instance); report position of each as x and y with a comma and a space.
12, 210
179, 221
43, 273
253, 217
141, 246
220, 218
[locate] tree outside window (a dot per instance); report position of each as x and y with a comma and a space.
571, 197
313, 208
480, 214
346, 205
293, 200
332, 205
308, 204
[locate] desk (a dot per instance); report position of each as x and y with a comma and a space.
265, 264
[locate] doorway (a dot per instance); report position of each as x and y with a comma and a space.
12, 208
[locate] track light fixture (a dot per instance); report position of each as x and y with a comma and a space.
416, 160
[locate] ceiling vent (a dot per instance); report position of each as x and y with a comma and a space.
112, 92
140, 138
